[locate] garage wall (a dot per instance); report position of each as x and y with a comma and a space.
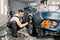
3, 12
15, 5
37, 1
0, 6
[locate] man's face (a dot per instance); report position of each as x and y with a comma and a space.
21, 14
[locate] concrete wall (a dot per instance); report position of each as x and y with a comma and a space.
37, 1
3, 12
0, 6
15, 5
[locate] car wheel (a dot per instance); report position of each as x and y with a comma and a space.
30, 29
30, 25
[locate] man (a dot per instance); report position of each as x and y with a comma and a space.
15, 23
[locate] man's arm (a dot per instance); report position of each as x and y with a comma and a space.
19, 23
22, 25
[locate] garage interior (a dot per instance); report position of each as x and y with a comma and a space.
14, 5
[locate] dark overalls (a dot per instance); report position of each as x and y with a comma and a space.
14, 27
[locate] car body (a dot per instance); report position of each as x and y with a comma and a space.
51, 25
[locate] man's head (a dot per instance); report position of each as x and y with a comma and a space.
21, 13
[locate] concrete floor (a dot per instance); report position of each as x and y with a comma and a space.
23, 35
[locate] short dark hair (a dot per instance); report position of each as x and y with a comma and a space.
21, 10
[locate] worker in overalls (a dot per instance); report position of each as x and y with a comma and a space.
15, 23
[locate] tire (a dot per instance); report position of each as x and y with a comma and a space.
30, 25
30, 29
